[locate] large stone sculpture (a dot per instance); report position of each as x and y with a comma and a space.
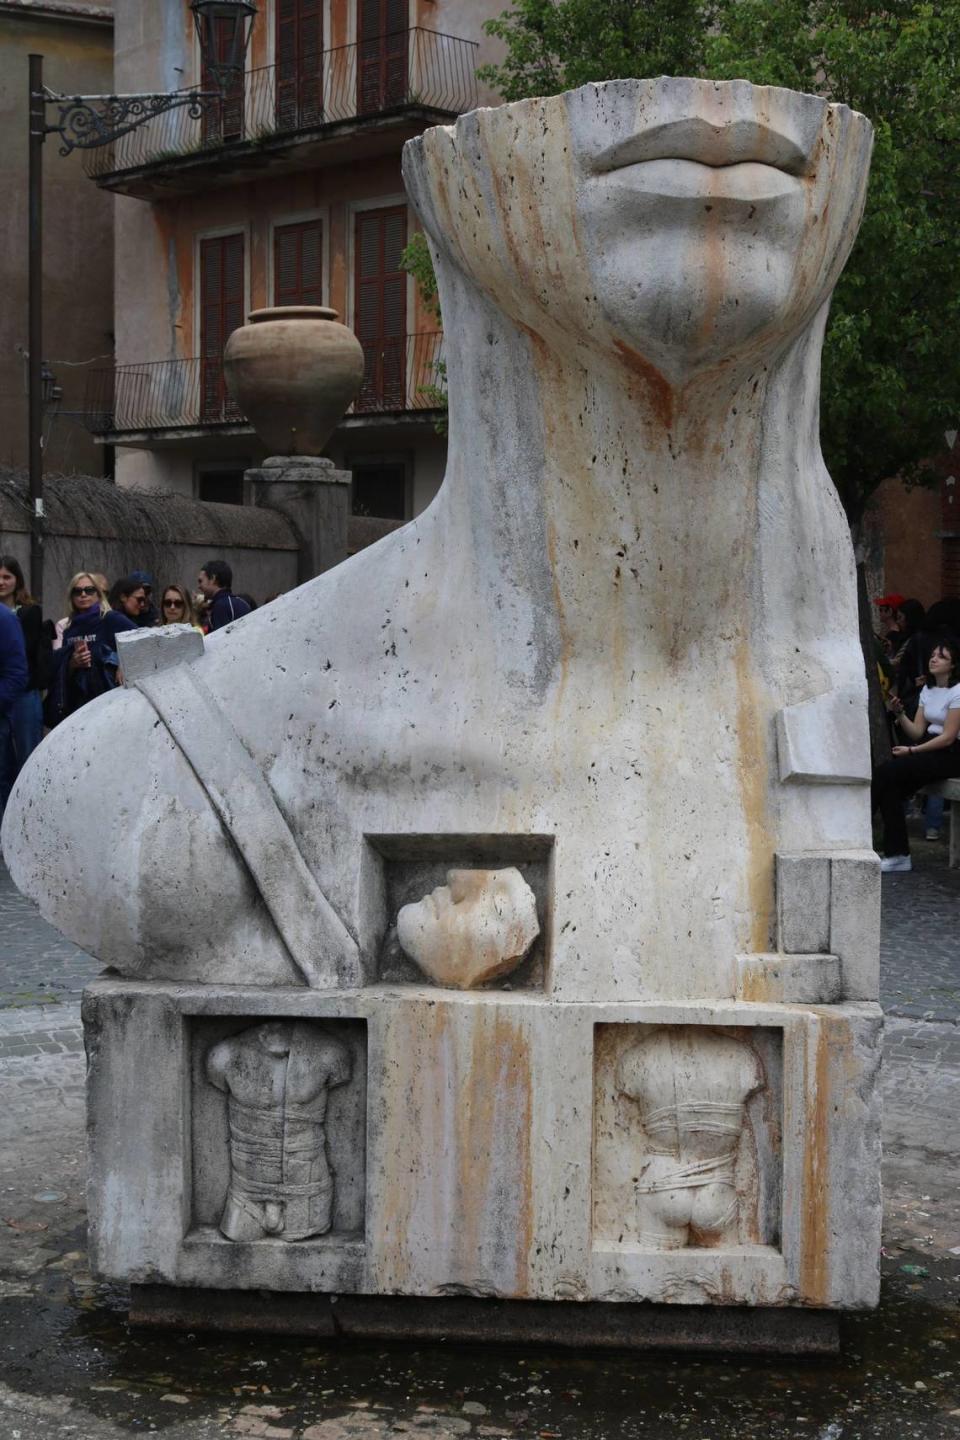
625, 632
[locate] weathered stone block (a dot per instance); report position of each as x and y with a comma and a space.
855, 922
803, 904
797, 979
826, 740
145, 652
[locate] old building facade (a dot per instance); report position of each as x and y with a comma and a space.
289, 191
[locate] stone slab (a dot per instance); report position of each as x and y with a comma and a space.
825, 741
731, 1330
804, 979
481, 1112
145, 652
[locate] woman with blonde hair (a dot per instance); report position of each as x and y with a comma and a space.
176, 608
86, 664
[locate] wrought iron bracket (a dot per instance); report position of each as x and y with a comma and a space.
88, 121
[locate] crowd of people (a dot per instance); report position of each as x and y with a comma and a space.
49, 669
918, 658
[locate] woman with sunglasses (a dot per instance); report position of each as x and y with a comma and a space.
87, 662
176, 608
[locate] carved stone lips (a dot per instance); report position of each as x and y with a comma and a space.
717, 145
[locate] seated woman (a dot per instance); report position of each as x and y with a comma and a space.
934, 756
86, 664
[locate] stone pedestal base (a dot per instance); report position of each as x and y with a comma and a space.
315, 497
736, 1330
419, 1142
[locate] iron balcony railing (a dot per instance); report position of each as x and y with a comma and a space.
402, 375
411, 69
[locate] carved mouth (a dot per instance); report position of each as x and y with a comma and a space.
719, 146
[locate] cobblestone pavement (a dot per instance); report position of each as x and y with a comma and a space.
920, 945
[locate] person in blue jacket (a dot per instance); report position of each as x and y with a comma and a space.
87, 663
14, 680
215, 581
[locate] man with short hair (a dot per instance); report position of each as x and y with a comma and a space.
214, 582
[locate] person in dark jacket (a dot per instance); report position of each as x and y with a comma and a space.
86, 664
14, 679
149, 614
215, 581
26, 713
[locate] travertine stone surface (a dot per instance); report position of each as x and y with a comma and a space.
144, 652
484, 1111
476, 928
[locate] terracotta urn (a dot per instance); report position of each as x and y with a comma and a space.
293, 370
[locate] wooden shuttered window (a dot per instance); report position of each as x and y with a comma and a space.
382, 64
299, 63
381, 306
222, 119
298, 264
221, 312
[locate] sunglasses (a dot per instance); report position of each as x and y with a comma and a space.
84, 590
173, 604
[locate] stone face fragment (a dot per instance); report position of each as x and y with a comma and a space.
476, 928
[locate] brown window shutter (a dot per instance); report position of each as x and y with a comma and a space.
221, 312
299, 70
382, 30
380, 306
298, 264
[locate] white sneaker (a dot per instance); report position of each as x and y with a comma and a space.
896, 862
931, 835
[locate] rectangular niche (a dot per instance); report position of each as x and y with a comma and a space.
400, 870
687, 1137
278, 1130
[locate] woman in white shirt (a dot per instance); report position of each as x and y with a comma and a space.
933, 755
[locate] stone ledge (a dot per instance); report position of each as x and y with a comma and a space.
731, 1329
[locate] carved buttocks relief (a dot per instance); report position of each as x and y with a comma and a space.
687, 1136
461, 911
278, 1128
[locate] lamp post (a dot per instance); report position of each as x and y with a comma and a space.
85, 122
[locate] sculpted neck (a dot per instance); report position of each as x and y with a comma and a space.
618, 500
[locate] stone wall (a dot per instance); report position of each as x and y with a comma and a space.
94, 525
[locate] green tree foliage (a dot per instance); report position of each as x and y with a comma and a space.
555, 45
891, 368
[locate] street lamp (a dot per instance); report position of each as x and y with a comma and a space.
85, 122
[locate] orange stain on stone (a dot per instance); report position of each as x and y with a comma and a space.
752, 776
815, 1229
658, 389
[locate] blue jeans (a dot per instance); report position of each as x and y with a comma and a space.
933, 811
21, 731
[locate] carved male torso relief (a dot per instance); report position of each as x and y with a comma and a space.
277, 1078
